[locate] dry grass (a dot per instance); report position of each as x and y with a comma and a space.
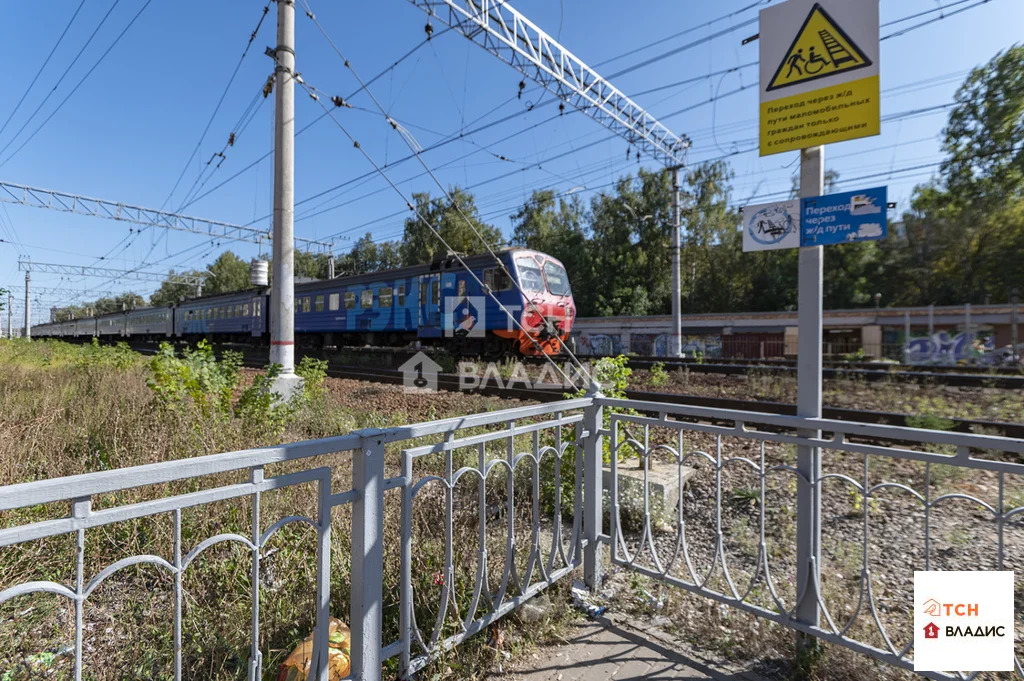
69, 410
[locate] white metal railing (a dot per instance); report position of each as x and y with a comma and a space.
717, 440
501, 483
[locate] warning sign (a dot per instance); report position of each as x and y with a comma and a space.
820, 49
819, 73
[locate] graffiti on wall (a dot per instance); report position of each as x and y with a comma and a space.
598, 344
943, 348
659, 345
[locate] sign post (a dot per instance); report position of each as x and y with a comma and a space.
819, 66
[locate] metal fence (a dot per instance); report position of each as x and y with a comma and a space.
863, 464
520, 494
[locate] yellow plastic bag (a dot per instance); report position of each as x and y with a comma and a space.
339, 639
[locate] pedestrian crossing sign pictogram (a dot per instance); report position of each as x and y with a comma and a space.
821, 48
819, 71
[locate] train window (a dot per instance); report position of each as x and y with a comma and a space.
238, 310
350, 300
333, 301
434, 291
401, 296
529, 274
318, 304
461, 290
305, 303
366, 298
385, 296
502, 282
257, 308
558, 280
245, 310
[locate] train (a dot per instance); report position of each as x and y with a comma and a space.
434, 304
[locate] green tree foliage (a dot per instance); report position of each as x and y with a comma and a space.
962, 239
309, 265
558, 229
228, 273
3, 298
629, 248
125, 301
368, 256
452, 220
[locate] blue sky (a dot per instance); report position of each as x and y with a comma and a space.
126, 133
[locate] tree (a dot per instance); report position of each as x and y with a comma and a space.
227, 274
962, 238
310, 265
630, 258
101, 306
457, 221
172, 293
557, 228
368, 256
714, 275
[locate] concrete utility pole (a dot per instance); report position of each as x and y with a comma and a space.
808, 373
282, 291
330, 267
1014, 300
28, 306
677, 309
10, 304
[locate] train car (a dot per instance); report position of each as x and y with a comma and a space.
234, 316
51, 330
150, 323
110, 326
439, 303
442, 304
67, 329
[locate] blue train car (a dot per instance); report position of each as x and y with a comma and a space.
443, 304
232, 316
433, 304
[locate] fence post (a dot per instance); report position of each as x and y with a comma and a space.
366, 601
593, 502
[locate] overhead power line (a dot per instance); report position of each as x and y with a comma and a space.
79, 84
504, 32
46, 61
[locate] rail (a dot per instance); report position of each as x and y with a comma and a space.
513, 501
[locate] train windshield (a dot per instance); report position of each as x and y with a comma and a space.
530, 277
558, 280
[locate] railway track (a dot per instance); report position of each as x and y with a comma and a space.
552, 393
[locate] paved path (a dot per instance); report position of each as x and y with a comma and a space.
603, 650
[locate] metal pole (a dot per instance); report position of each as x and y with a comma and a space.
28, 306
968, 337
593, 494
10, 304
906, 336
677, 312
809, 300
282, 292
1014, 300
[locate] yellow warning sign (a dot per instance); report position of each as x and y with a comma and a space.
821, 48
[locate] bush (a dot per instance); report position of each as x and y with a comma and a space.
659, 376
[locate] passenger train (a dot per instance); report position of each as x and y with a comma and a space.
436, 304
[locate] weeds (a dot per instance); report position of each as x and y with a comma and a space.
658, 377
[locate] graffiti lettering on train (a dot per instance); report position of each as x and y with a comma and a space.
943, 348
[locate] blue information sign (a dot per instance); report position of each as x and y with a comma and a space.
843, 218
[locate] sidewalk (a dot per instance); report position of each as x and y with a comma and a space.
604, 649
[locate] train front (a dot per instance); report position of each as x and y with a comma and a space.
548, 306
